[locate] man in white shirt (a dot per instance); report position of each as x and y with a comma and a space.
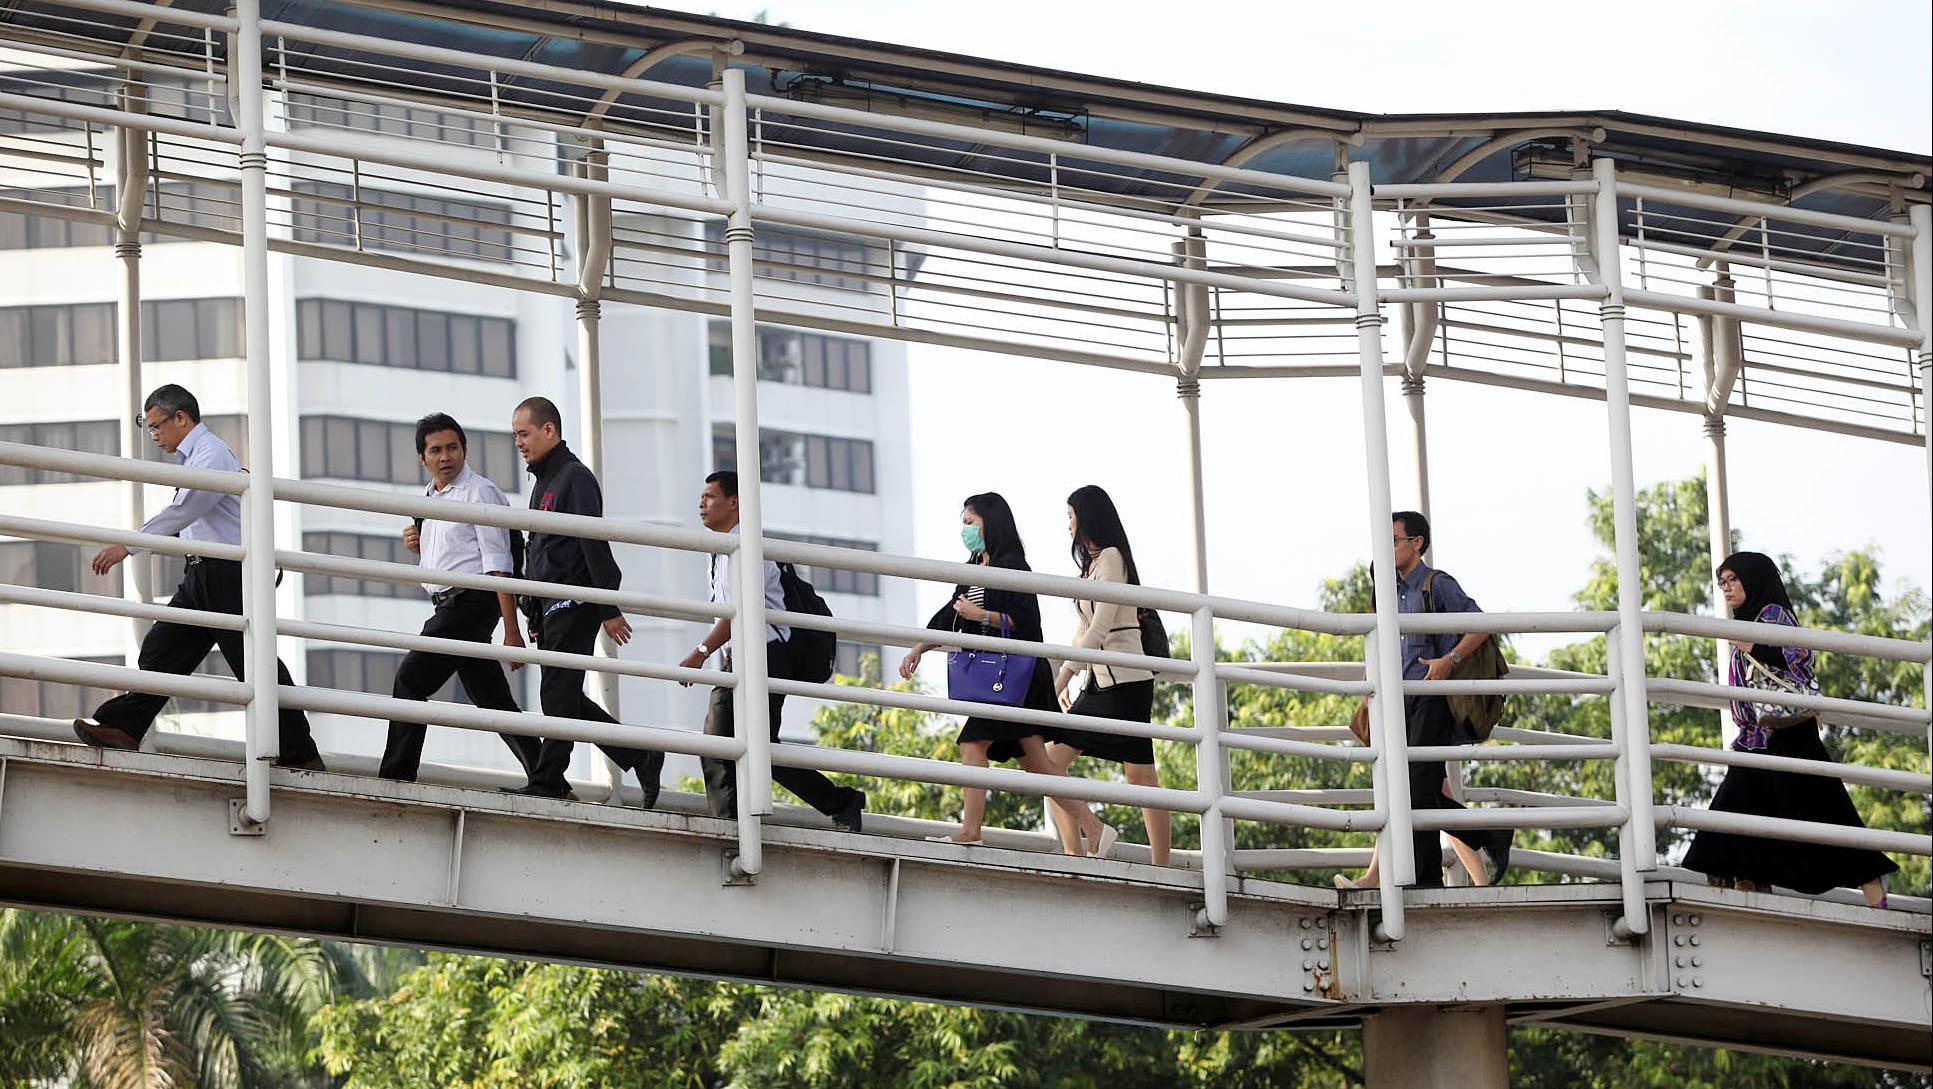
718, 510
173, 419
471, 615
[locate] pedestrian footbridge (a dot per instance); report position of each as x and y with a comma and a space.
156, 836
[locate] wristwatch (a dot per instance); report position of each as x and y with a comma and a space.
1455, 658
703, 650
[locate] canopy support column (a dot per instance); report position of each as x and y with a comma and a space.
1920, 284
1605, 253
130, 192
263, 738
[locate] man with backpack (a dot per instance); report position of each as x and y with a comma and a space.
1431, 719
787, 653
470, 615
563, 484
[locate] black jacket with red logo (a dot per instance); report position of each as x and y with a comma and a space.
567, 486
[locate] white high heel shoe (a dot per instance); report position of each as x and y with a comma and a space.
1106, 845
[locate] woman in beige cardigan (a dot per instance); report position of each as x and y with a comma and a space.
1102, 553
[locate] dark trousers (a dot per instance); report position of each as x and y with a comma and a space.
471, 615
1430, 723
574, 630
721, 776
211, 586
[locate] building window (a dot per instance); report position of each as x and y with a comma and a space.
84, 334
200, 100
385, 453
390, 119
835, 579
87, 436
394, 336
51, 699
365, 546
799, 358
825, 260
216, 205
364, 671
52, 565
74, 334
327, 213
812, 461
859, 660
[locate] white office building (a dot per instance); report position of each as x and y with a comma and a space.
360, 351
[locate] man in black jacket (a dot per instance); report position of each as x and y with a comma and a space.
567, 486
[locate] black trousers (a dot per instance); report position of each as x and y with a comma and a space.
211, 586
574, 630
1429, 722
721, 776
471, 615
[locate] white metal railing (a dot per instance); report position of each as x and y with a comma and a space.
1213, 799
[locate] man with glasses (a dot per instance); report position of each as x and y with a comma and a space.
1484, 853
172, 417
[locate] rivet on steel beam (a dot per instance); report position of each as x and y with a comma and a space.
1696, 919
1694, 939
1698, 962
1677, 918
1308, 966
1306, 923
1322, 943
1698, 981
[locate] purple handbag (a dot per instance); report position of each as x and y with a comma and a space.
985, 676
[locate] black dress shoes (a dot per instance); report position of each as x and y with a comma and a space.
850, 818
103, 737
539, 790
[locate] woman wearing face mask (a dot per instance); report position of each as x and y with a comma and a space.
1102, 553
1753, 589
991, 538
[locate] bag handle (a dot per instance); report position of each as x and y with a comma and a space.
1769, 674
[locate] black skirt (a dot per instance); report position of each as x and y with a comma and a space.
1006, 736
1132, 700
1805, 867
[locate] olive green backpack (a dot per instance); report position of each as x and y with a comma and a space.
1477, 715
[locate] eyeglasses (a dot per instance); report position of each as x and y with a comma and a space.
153, 428
1400, 540
1729, 580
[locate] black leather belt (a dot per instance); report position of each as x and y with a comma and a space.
445, 597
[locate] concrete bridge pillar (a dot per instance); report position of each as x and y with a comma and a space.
1436, 1047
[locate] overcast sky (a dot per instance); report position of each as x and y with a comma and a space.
1509, 470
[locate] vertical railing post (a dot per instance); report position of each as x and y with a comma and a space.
1637, 917
1624, 502
262, 739
1398, 862
1210, 716
748, 629
751, 842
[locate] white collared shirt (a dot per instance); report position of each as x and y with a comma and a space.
196, 515
721, 592
460, 546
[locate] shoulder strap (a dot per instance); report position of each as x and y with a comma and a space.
1429, 601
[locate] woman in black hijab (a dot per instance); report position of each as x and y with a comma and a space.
1753, 589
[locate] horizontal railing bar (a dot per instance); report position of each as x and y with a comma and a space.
1349, 796
1851, 330
1529, 798
110, 467
101, 604
1459, 190
1257, 741
163, 15
1507, 623
1597, 751
1308, 858
1145, 268
112, 118
1829, 835
1785, 635
116, 678
1236, 674
344, 145
317, 563
1833, 718
1040, 145
1755, 210
1304, 816
905, 636
1801, 700
1542, 737
1542, 816
1916, 782
465, 648
947, 773
522, 723
913, 701
41, 529
1506, 686
1739, 260
1499, 293
1554, 241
